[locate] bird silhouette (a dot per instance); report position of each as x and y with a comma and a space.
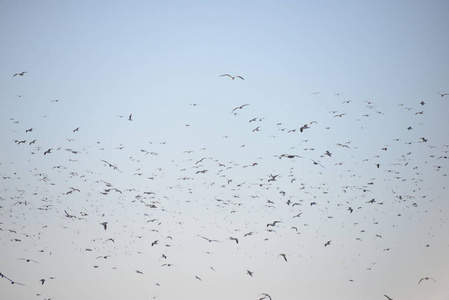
426, 278
105, 225
19, 74
232, 77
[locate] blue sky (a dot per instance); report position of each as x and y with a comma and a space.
354, 72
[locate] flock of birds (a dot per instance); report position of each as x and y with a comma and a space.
268, 187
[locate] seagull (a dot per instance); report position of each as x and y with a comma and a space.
48, 151
283, 255
442, 95
249, 273
209, 240
42, 281
139, 272
105, 225
426, 278
28, 260
240, 107
265, 295
20, 74
327, 243
388, 297
273, 224
304, 127
234, 239
76, 129
110, 165
130, 118
232, 77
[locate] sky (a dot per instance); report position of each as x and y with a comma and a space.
131, 167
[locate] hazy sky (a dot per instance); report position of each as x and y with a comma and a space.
338, 131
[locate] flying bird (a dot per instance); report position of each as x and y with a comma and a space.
283, 255
105, 225
232, 77
426, 278
20, 74
28, 260
328, 243
110, 165
265, 295
234, 239
130, 118
240, 107
442, 95
209, 240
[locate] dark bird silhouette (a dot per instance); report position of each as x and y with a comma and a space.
10, 280
20, 74
48, 151
426, 278
76, 129
28, 260
232, 77
273, 224
442, 95
105, 225
130, 118
265, 295
234, 239
304, 127
209, 240
139, 272
240, 107
388, 297
328, 243
283, 255
110, 165
249, 273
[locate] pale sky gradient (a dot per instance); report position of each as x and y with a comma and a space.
363, 75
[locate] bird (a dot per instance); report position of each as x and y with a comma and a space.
265, 295
198, 278
249, 273
105, 225
273, 224
28, 260
76, 129
240, 107
442, 95
42, 281
388, 297
328, 243
232, 77
209, 240
304, 127
234, 239
139, 272
110, 165
283, 255
20, 74
48, 151
426, 278
130, 118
